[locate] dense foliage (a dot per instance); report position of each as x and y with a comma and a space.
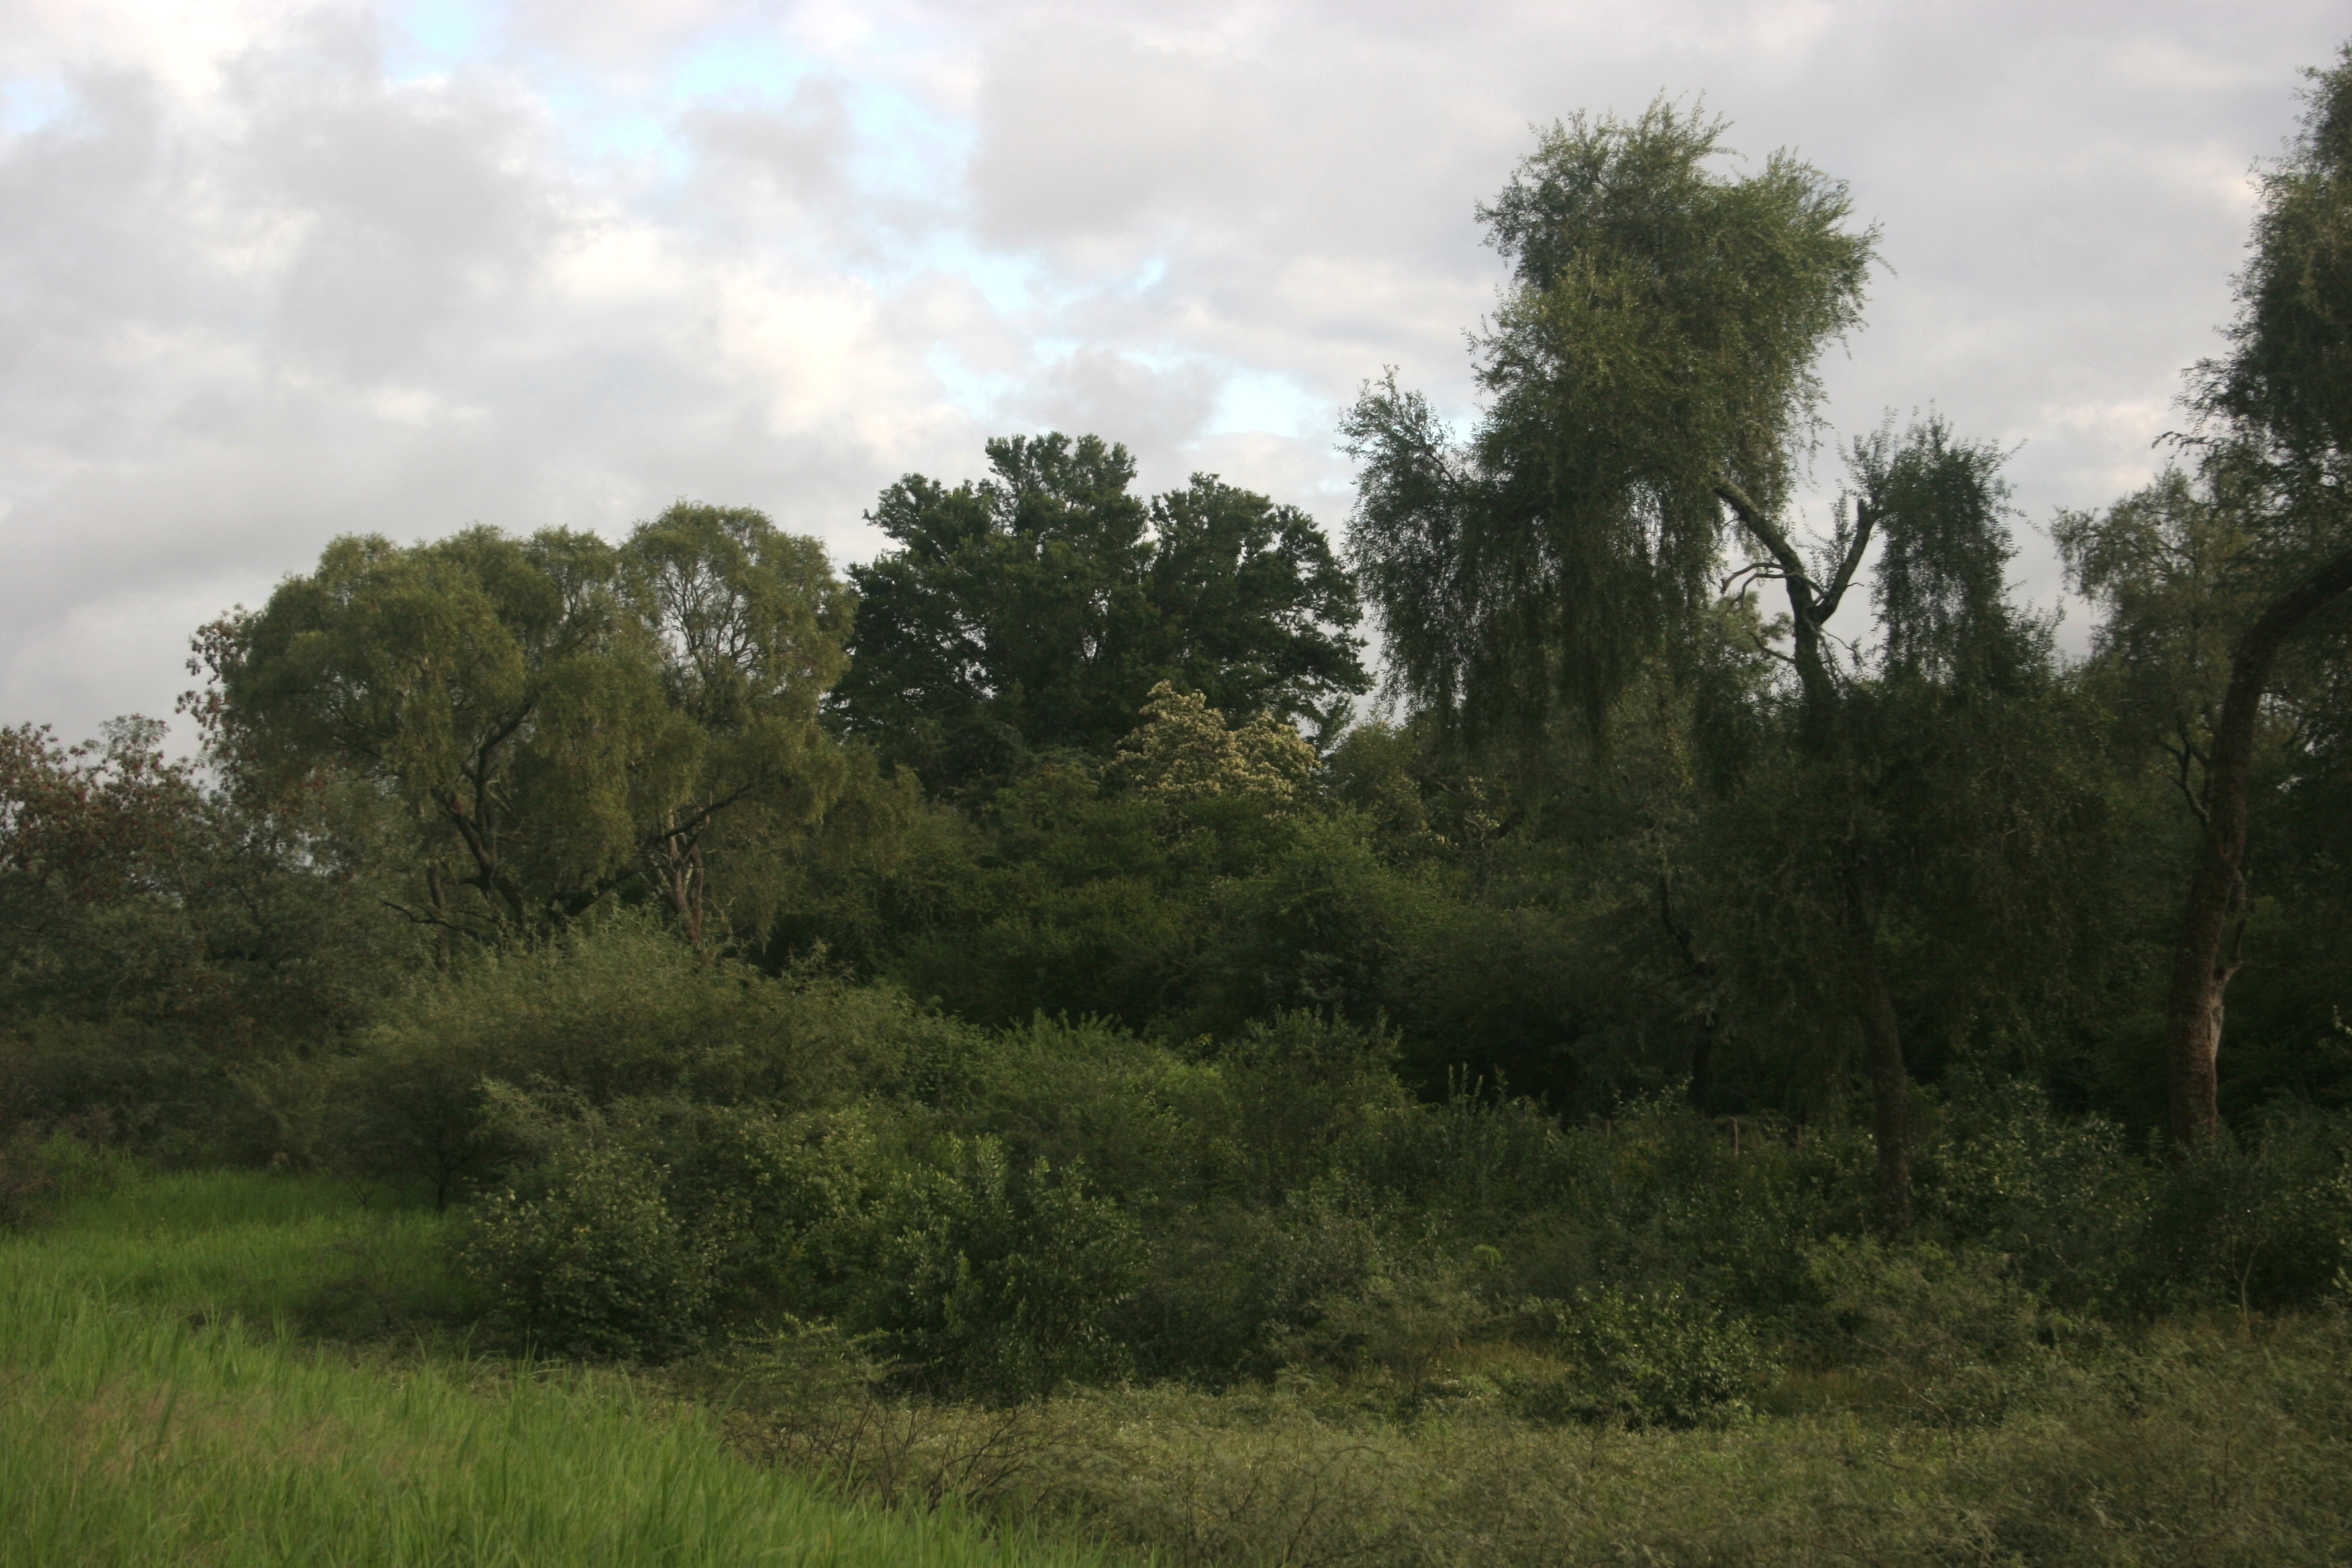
1032, 612
1011, 971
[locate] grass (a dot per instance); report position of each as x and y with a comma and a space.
163, 1407
231, 1369
2190, 1443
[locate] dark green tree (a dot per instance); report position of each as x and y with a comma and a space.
1650, 394
2278, 433
2175, 573
1036, 609
1651, 385
157, 934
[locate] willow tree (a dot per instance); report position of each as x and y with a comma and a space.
556, 715
1651, 393
748, 626
2278, 446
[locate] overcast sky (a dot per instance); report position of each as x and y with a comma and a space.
273, 272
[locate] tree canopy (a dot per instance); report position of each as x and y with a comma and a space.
1652, 362
1037, 608
555, 716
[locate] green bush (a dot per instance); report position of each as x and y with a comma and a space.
40, 1170
584, 1257
787, 1203
1237, 1291
1659, 1358
153, 1087
1299, 1086
2061, 1196
999, 1282
1152, 1128
1399, 1321
610, 1012
1949, 1337
2254, 1221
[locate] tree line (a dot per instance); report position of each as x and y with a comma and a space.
1673, 796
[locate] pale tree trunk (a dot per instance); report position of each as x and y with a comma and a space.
2201, 963
1890, 1091
439, 892
684, 878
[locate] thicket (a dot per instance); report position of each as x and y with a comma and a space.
1037, 992
659, 1156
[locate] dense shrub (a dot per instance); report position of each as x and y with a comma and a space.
2262, 1219
1152, 1128
2063, 1198
586, 1257
40, 1170
1654, 1359
2194, 1449
1297, 1085
1953, 1339
607, 1013
1002, 1282
670, 1153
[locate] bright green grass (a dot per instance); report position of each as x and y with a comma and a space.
155, 1408
217, 1243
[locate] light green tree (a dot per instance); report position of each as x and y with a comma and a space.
1184, 751
555, 716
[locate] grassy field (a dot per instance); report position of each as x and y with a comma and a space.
230, 1368
164, 1405
2197, 1447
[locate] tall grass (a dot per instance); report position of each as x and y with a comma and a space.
267, 1249
160, 1408
2195, 1447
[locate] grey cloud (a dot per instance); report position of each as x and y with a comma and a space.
623, 36
321, 300
416, 207
796, 149
2059, 185
1156, 412
329, 302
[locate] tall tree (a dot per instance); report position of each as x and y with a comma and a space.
748, 625
557, 716
1650, 394
1650, 386
1037, 608
1652, 364
2278, 408
1902, 807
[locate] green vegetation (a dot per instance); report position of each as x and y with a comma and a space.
162, 1410
995, 1038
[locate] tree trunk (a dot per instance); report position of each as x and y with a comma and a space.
2200, 968
1890, 1094
683, 875
1822, 713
